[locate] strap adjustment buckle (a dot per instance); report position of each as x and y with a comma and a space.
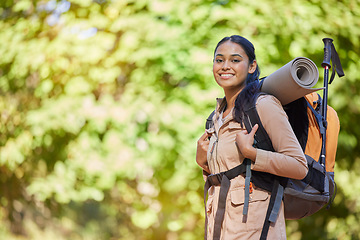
215, 179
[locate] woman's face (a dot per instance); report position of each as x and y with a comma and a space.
231, 66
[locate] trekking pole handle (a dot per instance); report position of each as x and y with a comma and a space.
327, 52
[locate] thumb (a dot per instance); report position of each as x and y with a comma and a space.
254, 129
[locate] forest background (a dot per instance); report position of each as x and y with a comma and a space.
102, 102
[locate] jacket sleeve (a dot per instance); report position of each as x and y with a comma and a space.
288, 160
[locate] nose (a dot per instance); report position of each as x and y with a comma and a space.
226, 65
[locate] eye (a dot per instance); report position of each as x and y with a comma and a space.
218, 60
236, 60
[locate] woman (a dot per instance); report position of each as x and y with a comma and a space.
227, 144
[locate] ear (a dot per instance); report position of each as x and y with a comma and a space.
252, 67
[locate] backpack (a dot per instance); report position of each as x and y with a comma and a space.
305, 197
301, 197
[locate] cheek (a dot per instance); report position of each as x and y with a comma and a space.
243, 69
215, 69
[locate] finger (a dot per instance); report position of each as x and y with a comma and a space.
205, 136
207, 169
204, 145
239, 138
254, 129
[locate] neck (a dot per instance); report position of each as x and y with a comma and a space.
231, 95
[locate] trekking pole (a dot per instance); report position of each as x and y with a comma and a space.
329, 54
326, 65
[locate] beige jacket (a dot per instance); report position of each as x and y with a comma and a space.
223, 154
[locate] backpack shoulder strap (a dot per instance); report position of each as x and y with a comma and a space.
209, 122
262, 139
322, 124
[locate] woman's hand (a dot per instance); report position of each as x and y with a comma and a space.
201, 151
245, 141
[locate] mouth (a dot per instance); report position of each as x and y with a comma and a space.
226, 75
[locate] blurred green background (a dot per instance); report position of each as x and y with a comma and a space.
102, 102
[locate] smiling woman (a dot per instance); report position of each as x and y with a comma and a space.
226, 145
231, 67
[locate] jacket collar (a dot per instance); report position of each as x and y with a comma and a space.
220, 106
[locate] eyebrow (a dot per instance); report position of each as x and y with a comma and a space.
233, 55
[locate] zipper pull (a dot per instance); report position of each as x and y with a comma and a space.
213, 146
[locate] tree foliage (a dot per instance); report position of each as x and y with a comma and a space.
102, 103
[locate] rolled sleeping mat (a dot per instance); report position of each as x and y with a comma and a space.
292, 81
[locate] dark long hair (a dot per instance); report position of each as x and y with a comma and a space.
252, 85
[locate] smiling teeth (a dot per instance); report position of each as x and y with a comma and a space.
227, 75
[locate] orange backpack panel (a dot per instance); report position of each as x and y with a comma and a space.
314, 141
